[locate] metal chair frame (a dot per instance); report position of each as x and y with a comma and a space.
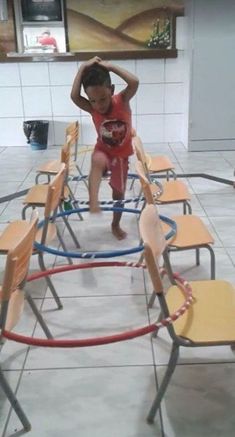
12, 298
199, 238
196, 328
51, 202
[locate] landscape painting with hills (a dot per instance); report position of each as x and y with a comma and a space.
108, 25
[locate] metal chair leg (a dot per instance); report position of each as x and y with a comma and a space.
189, 207
212, 254
173, 174
74, 201
14, 402
132, 183
38, 315
49, 282
152, 299
42, 174
138, 196
81, 174
162, 389
70, 261
212, 259
67, 224
23, 213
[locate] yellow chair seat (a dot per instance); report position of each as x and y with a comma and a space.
191, 232
37, 195
50, 167
173, 192
53, 167
211, 317
157, 164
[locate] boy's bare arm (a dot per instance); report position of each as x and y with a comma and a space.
75, 95
131, 80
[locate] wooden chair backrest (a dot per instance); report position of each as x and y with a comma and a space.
145, 184
140, 153
72, 137
67, 156
72, 128
71, 134
154, 242
17, 262
66, 153
55, 190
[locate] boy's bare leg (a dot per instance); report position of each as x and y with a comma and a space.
98, 166
116, 229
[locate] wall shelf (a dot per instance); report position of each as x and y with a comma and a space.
68, 57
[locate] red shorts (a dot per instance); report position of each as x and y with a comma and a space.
118, 167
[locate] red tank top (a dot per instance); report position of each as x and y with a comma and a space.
114, 129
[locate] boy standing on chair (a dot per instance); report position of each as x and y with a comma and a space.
111, 115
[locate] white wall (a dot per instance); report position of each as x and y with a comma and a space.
212, 78
41, 90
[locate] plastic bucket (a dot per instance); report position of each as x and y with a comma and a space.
36, 132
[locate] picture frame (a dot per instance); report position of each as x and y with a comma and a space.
130, 29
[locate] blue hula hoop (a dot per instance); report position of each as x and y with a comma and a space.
101, 254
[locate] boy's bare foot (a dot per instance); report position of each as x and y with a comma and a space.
118, 232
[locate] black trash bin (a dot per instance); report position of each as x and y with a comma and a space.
36, 132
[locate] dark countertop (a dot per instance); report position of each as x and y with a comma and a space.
68, 57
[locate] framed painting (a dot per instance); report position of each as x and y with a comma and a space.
128, 29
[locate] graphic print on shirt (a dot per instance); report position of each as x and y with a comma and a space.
113, 132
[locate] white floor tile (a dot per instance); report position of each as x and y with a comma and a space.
107, 390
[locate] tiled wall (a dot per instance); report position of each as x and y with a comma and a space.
41, 90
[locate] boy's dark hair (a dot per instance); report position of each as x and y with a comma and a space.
97, 75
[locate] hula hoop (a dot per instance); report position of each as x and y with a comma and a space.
97, 341
124, 201
111, 202
104, 253
85, 149
85, 176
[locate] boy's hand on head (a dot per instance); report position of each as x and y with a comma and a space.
105, 64
92, 61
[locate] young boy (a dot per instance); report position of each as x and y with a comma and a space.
111, 115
